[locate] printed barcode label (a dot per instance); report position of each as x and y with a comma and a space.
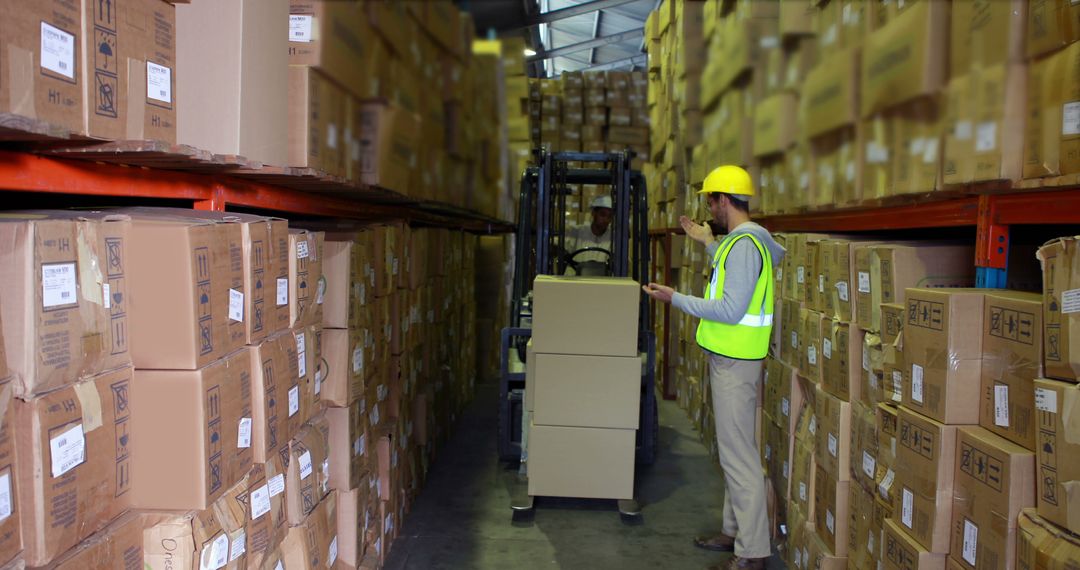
826, 348
277, 484
158, 82
802, 491
785, 407
217, 555
898, 386
1070, 301
300, 28
963, 130
357, 360
986, 136
811, 354
294, 400
331, 555
886, 483
305, 465
5, 496
842, 290
57, 51
68, 450
971, 541
1001, 405
243, 433
833, 445
301, 355
794, 339
302, 249
907, 507
917, 383
282, 292
869, 464
359, 446
800, 274
830, 521
236, 305
864, 282
1046, 400
106, 295
1070, 113
238, 547
813, 425
260, 502
58, 284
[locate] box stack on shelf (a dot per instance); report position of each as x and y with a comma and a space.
247, 392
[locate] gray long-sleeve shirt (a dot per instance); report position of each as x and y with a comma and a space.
741, 271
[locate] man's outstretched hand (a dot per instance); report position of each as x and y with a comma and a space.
698, 232
659, 292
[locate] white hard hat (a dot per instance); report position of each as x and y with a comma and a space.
601, 202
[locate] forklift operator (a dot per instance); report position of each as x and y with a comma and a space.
736, 323
595, 234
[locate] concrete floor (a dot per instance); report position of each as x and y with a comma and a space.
462, 519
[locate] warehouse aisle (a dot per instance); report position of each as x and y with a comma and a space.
462, 519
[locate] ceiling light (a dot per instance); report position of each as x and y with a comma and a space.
529, 52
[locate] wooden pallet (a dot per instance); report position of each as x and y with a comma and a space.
155, 154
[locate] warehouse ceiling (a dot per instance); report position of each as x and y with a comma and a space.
569, 35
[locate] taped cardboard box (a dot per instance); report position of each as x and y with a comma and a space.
1052, 135
307, 481
926, 451
1012, 350
309, 353
895, 372
307, 285
216, 537
1052, 24
267, 520
119, 545
842, 370
944, 356
275, 395
906, 58
562, 324
603, 460
568, 388
832, 517
42, 55
885, 274
1042, 544
888, 426
1060, 259
830, 93
353, 521
65, 310
994, 482
810, 344
978, 145
833, 428
864, 544
10, 537
1058, 439
784, 398
74, 447
774, 124
333, 37
317, 121
902, 552
313, 544
194, 433
189, 273
389, 141
346, 364
348, 446
865, 443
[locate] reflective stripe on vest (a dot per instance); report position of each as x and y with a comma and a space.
749, 338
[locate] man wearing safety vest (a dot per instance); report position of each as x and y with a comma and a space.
736, 322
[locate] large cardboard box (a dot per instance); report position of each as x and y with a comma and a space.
1052, 135
275, 395
348, 447
10, 537
1052, 24
894, 268
317, 122
926, 455
864, 544
995, 479
902, 552
194, 433
841, 348
313, 543
66, 297
944, 354
119, 543
1060, 260
74, 447
352, 524
42, 57
308, 472
775, 124
832, 518
602, 462
335, 38
1012, 350
565, 309
982, 109
587, 391
907, 58
830, 94
240, 46
1041, 544
344, 366
1057, 440
181, 271
346, 283
833, 435
128, 70
307, 285
389, 143
213, 537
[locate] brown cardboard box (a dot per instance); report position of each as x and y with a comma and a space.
1052, 24
833, 435
184, 540
810, 343
907, 58
894, 268
333, 37
267, 520
832, 518
1012, 349
865, 445
316, 122
73, 447
926, 452
310, 339
347, 445
128, 70
388, 142
1041, 544
888, 430
994, 481
830, 94
1056, 405
352, 524
570, 388
1060, 260
44, 88
842, 345
65, 306
563, 320
345, 365
1051, 136
944, 356
342, 266
784, 398
247, 114
181, 271
982, 107
275, 395
307, 285
308, 479
603, 461
864, 544
902, 552
775, 123
120, 542
194, 433
313, 543
803, 469
10, 538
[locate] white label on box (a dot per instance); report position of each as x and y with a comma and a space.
301, 354
804, 180
243, 433
357, 359
813, 425
785, 407
360, 445
768, 451
331, 136
282, 292
1001, 405
260, 502
886, 483
842, 290
318, 380
216, 555
68, 450
811, 354
802, 491
986, 136
907, 506
302, 249
916, 383
787, 469
305, 464
277, 484
833, 445
321, 291
1070, 301
849, 171
278, 566
869, 464
294, 400
866, 360
800, 274
58, 284
870, 539
805, 556
873, 381
864, 282
897, 386
5, 496
962, 130
830, 521
331, 555
236, 305
1070, 117
300, 28
769, 42
1046, 400
57, 51
917, 146
930, 153
826, 348
794, 339
325, 474
158, 82
238, 547
820, 283
971, 541
106, 295
375, 415
798, 558
829, 37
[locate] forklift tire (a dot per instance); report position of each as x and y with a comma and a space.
647, 454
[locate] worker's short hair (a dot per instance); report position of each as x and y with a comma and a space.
736, 201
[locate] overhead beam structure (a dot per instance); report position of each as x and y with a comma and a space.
571, 11
589, 44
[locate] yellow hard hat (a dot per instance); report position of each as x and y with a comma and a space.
729, 180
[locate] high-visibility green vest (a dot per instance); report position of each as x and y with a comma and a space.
749, 338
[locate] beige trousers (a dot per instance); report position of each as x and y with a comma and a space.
735, 401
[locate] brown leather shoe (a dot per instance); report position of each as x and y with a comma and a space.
740, 563
718, 543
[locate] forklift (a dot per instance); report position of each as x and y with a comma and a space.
541, 249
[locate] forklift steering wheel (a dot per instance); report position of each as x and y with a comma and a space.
576, 266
